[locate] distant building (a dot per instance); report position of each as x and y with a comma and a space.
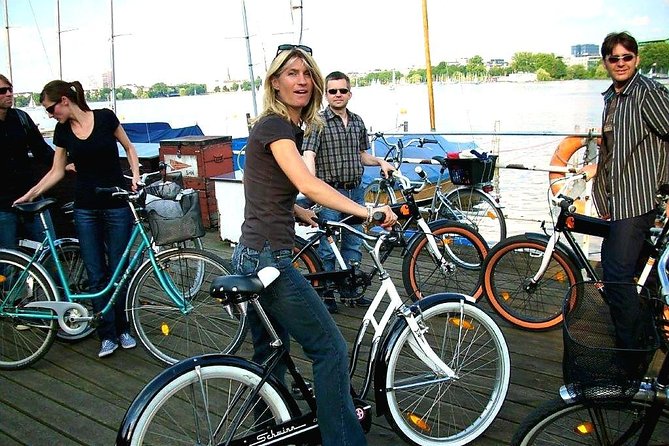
107, 81
585, 49
497, 63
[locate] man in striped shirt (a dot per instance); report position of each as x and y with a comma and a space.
337, 155
632, 165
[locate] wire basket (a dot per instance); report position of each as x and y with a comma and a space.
470, 171
592, 357
169, 188
177, 220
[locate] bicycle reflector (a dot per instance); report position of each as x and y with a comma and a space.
584, 428
418, 422
488, 188
3, 278
570, 222
165, 329
461, 323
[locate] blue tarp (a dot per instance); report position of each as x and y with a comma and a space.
154, 132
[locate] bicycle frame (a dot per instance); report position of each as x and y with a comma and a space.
124, 270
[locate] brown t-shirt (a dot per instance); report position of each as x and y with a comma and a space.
269, 194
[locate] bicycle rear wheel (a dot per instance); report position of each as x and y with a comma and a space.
463, 251
205, 326
307, 262
475, 208
507, 276
425, 409
23, 341
199, 407
592, 422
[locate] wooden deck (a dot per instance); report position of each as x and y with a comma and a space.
70, 397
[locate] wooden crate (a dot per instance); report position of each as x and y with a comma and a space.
199, 157
208, 205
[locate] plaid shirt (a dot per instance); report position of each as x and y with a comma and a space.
338, 148
638, 150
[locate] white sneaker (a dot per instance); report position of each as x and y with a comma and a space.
127, 341
107, 348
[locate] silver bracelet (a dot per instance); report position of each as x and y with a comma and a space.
370, 210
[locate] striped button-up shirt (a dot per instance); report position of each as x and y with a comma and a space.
638, 152
338, 148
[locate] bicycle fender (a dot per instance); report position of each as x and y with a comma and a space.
391, 339
37, 265
127, 428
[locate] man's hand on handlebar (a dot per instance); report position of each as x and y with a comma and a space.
390, 217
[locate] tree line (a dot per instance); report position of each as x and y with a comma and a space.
654, 56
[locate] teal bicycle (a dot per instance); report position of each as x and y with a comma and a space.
167, 300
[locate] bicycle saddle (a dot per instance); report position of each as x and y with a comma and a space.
34, 207
226, 287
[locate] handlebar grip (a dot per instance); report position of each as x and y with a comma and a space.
420, 172
430, 141
481, 156
378, 217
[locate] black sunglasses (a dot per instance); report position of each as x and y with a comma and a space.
616, 59
52, 108
4, 90
290, 46
333, 91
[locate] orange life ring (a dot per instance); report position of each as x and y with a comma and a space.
561, 156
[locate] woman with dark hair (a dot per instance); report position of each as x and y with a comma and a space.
88, 139
274, 174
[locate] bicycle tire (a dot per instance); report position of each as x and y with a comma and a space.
456, 411
506, 279
557, 422
465, 252
171, 335
374, 195
75, 271
178, 413
306, 260
478, 211
23, 341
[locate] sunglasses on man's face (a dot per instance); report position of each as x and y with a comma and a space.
4, 90
290, 46
333, 91
615, 59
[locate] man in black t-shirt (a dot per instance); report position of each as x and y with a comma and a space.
19, 137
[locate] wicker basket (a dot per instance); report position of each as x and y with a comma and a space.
172, 221
470, 171
591, 356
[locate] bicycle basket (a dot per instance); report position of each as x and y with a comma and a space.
175, 220
470, 171
165, 189
592, 357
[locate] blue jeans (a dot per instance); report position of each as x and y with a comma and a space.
103, 236
350, 244
14, 227
295, 309
620, 254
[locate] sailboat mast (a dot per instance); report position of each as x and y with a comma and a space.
60, 50
113, 66
9, 51
248, 55
428, 63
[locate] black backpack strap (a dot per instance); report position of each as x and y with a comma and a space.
23, 117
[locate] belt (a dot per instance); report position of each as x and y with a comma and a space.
346, 185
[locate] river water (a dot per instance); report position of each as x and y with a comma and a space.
556, 107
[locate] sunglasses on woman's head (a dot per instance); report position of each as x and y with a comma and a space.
52, 108
290, 46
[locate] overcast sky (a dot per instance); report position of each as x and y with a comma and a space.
177, 41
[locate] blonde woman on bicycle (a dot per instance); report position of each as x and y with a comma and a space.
274, 174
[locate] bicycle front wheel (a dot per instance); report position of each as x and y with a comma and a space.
429, 410
455, 268
507, 279
591, 422
197, 323
23, 340
201, 406
472, 207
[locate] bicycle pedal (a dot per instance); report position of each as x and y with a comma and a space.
363, 410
